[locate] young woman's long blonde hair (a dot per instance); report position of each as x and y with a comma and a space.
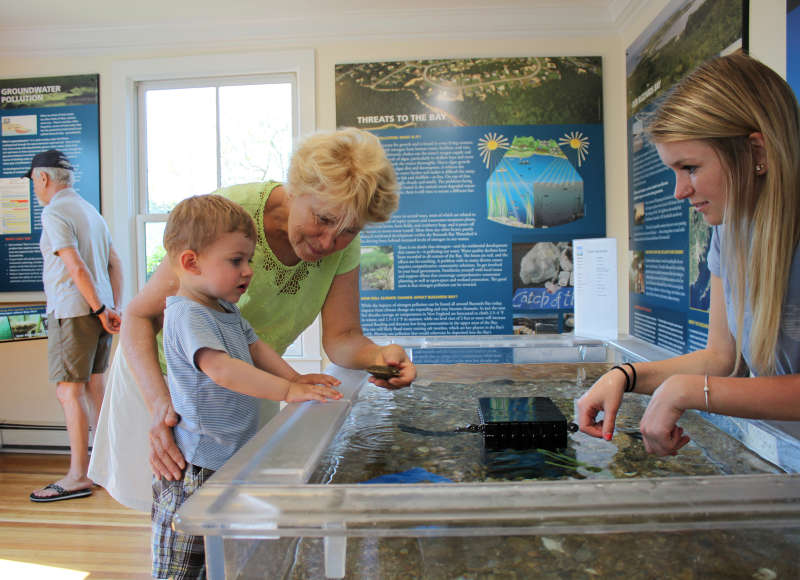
722, 103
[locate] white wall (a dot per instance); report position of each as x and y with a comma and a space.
25, 394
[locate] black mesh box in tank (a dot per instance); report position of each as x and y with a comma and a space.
521, 423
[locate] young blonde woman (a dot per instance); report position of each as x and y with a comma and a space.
730, 133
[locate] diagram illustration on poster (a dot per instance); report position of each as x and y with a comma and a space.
534, 186
499, 171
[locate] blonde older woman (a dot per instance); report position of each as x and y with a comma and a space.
306, 263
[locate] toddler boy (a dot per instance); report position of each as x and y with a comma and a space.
217, 368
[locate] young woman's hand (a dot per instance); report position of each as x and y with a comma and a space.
604, 395
659, 425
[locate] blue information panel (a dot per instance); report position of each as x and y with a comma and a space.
669, 280
793, 44
36, 115
462, 355
500, 164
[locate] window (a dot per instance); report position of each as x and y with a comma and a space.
199, 135
192, 125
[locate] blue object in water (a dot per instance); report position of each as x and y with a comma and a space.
413, 475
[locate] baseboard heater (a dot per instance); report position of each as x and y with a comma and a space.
32, 427
33, 437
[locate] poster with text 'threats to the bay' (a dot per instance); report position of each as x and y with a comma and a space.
500, 165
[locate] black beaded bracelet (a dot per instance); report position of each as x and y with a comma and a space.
99, 311
627, 377
633, 382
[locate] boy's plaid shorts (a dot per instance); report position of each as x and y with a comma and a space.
175, 554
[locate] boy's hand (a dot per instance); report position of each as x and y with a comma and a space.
317, 379
308, 391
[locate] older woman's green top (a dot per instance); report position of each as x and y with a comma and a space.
282, 301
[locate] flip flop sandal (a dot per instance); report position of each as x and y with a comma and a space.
61, 493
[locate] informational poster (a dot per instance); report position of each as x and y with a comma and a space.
500, 164
793, 44
668, 275
38, 114
22, 323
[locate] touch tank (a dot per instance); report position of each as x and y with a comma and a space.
400, 484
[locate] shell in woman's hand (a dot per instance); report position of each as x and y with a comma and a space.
383, 372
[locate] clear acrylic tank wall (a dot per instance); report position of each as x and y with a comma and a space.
299, 500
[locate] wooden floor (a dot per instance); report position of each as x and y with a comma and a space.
94, 535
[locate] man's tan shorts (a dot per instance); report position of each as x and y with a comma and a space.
76, 348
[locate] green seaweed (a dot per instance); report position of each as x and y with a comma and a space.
566, 462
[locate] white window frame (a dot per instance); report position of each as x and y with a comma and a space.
123, 209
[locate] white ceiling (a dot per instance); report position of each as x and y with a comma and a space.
43, 26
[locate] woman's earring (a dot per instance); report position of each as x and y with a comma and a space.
760, 168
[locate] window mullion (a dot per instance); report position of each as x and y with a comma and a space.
219, 144
141, 187
141, 174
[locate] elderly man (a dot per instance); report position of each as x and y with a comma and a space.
82, 282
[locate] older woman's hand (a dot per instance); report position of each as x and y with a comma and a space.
394, 355
166, 459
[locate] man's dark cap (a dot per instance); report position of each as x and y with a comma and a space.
49, 158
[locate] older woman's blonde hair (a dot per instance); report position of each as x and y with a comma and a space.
723, 102
199, 221
347, 170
